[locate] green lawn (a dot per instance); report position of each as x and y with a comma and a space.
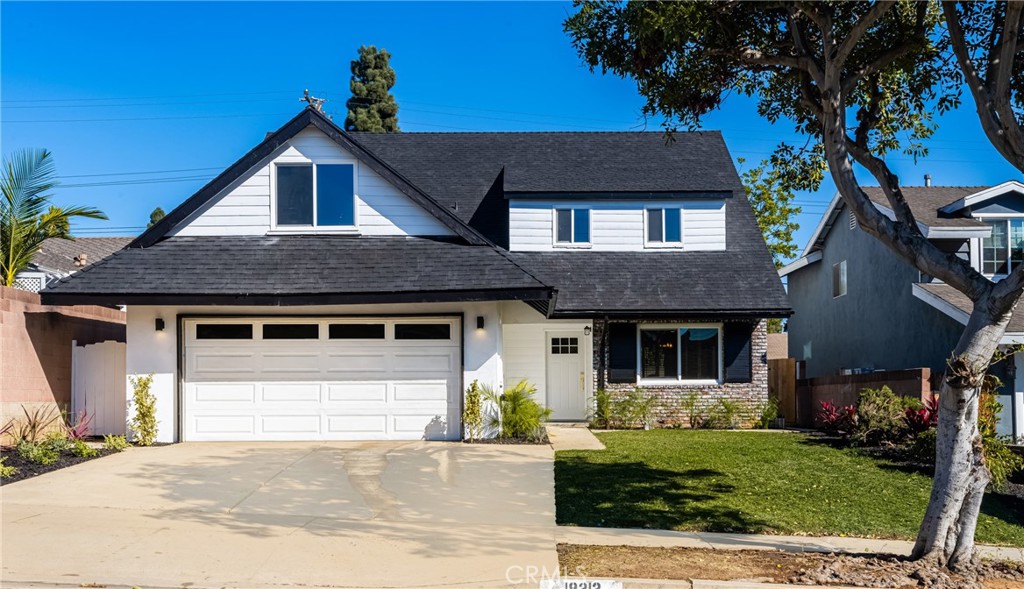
755, 482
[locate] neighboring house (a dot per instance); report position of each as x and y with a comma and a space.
859, 307
57, 258
350, 286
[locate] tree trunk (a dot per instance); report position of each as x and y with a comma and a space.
946, 536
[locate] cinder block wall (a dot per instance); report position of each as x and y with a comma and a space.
670, 409
35, 348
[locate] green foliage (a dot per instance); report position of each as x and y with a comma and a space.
514, 413
34, 424
155, 217
26, 216
880, 418
81, 449
1001, 462
116, 443
40, 453
472, 413
58, 440
723, 415
143, 422
691, 405
372, 107
601, 410
767, 412
635, 409
771, 189
6, 471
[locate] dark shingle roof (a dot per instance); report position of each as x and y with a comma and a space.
961, 301
925, 202
60, 254
294, 266
459, 168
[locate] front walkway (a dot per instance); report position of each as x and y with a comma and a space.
270, 514
673, 539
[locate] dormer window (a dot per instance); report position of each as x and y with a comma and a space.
572, 227
664, 228
315, 195
1004, 250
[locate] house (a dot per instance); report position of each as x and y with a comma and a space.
859, 307
57, 258
350, 286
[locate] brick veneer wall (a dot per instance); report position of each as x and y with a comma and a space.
35, 348
670, 409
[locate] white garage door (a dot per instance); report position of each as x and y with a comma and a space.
322, 379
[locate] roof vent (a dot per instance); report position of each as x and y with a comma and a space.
81, 260
927, 179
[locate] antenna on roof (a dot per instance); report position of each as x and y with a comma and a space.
316, 103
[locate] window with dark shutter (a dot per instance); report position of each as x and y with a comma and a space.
622, 352
738, 352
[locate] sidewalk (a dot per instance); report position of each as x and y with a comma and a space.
573, 437
673, 539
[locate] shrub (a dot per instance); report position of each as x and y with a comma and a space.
116, 443
723, 415
1001, 461
38, 453
57, 440
767, 413
35, 423
6, 471
690, 404
922, 418
83, 450
515, 414
472, 413
836, 420
921, 448
143, 423
634, 409
601, 410
880, 418
77, 426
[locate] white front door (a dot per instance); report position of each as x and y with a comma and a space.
566, 375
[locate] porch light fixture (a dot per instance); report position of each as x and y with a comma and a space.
586, 330
479, 321
159, 324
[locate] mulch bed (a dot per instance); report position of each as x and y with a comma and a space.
27, 470
884, 571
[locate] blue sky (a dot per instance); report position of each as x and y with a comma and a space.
143, 103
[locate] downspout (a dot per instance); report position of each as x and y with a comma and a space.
602, 354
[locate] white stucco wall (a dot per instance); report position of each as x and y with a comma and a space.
155, 352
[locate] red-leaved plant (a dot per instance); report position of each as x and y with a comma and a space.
836, 420
923, 419
77, 426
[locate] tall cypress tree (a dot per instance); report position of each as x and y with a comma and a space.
372, 108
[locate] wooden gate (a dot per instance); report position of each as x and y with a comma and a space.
782, 387
98, 386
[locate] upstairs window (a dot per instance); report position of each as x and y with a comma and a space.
316, 195
839, 279
572, 227
1004, 250
664, 228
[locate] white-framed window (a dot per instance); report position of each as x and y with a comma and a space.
314, 196
572, 227
839, 279
1004, 249
663, 227
683, 353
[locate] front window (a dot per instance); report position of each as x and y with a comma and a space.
685, 354
1004, 250
664, 227
572, 226
316, 195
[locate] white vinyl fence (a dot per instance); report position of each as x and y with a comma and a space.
98, 385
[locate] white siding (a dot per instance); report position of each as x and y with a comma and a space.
245, 207
616, 226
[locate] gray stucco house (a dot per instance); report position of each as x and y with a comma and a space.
859, 307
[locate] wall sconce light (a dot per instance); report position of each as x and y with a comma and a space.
159, 324
479, 321
586, 330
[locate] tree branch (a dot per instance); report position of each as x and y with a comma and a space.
919, 36
860, 28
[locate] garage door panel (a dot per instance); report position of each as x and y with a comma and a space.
291, 424
291, 392
422, 391
357, 392
334, 389
227, 392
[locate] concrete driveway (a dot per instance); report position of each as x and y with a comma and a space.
372, 514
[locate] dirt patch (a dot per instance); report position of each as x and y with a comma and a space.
622, 562
27, 470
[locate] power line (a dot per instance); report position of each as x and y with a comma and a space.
233, 101
174, 118
139, 173
172, 97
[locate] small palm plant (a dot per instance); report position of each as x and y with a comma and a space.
514, 414
26, 216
